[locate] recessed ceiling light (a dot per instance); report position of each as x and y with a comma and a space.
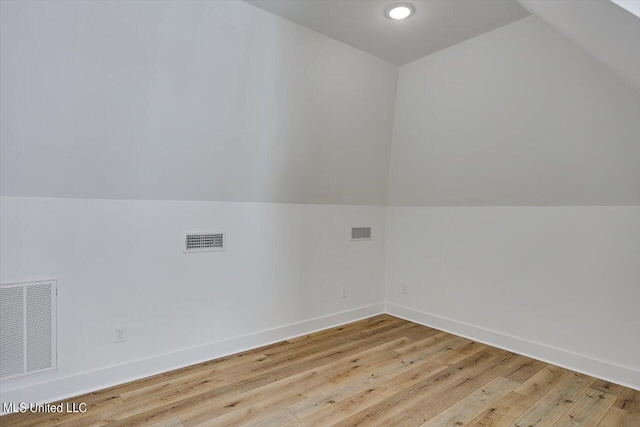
399, 11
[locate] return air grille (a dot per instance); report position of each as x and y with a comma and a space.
27, 328
361, 233
202, 242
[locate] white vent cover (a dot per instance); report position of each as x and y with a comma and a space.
27, 328
361, 233
204, 242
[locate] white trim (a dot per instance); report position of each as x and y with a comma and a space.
623, 375
63, 388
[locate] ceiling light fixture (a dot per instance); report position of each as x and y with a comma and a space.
399, 11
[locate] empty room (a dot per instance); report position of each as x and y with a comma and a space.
320, 213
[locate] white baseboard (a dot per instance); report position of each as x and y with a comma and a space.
608, 371
63, 388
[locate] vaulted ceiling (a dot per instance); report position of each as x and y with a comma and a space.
434, 26
601, 27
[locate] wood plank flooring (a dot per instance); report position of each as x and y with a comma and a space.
379, 371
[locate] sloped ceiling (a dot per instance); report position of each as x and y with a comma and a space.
435, 25
187, 101
602, 28
520, 116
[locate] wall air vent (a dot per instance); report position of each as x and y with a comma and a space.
204, 242
27, 328
361, 233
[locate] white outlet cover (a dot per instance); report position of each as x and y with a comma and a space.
120, 334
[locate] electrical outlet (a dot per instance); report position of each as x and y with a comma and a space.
344, 292
120, 334
405, 289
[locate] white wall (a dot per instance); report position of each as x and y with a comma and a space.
188, 100
519, 116
110, 107
222, 101
121, 263
567, 278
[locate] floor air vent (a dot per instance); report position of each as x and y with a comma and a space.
204, 242
361, 233
27, 328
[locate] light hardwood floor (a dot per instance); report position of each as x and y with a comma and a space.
379, 371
